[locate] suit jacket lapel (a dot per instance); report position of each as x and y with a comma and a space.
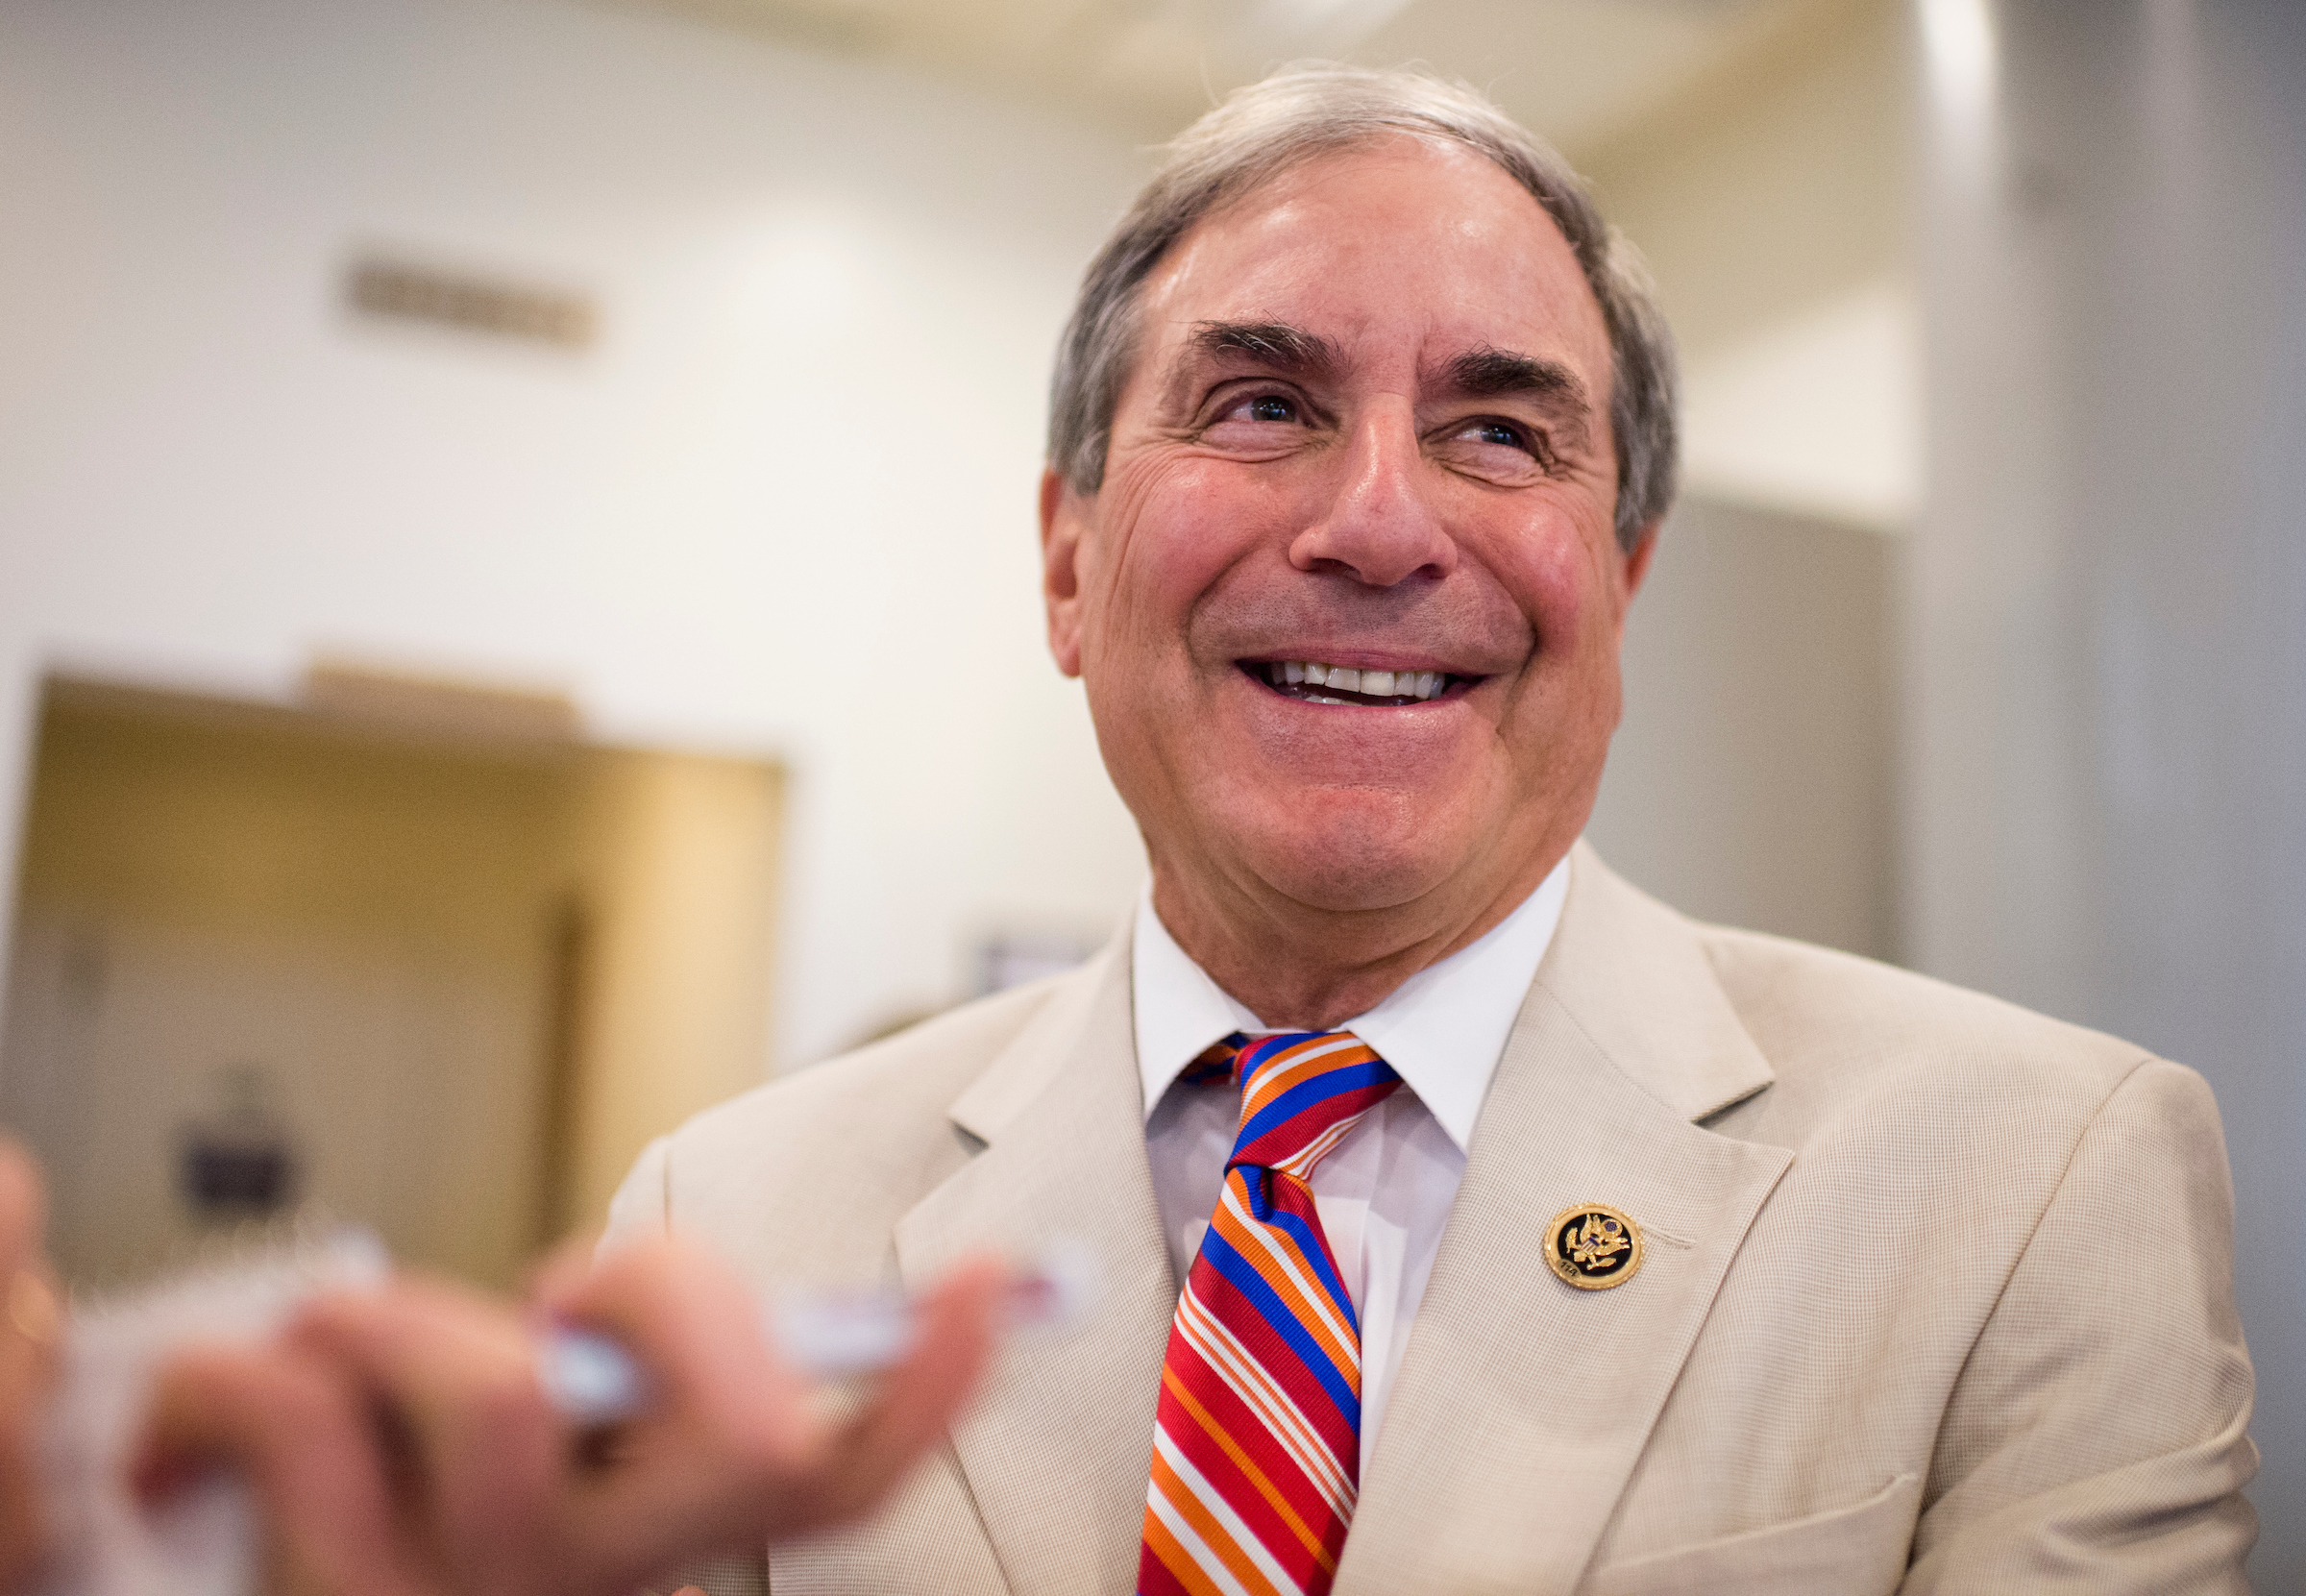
1055, 1450
1522, 1403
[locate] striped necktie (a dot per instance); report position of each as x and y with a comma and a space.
1257, 1442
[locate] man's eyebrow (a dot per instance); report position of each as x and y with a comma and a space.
1486, 373
1489, 373
1275, 344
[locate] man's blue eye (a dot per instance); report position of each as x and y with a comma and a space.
1271, 408
1498, 433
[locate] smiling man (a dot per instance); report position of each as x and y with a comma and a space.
1468, 1221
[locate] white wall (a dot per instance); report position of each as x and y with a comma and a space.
1751, 780
783, 507
1773, 205
2108, 613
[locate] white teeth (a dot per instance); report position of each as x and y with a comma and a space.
1345, 678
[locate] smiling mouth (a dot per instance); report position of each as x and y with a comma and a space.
1310, 682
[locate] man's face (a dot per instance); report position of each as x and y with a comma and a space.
1367, 430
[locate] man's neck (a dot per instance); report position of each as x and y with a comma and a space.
1304, 967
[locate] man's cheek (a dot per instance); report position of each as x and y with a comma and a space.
1555, 583
1172, 565
1133, 652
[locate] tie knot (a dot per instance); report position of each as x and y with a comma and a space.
1214, 1061
1301, 1092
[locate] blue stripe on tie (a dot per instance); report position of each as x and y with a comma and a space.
1241, 1274
1312, 1093
1316, 1256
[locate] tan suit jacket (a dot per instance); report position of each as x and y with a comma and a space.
1936, 1293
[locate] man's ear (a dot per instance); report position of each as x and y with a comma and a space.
1637, 563
1063, 517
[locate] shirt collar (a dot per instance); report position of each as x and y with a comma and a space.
1442, 1030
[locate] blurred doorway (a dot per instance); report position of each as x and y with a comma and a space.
408, 953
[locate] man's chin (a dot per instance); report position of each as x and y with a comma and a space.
1347, 864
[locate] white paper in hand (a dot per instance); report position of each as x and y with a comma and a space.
204, 1542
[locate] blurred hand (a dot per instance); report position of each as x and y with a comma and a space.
30, 1327
400, 1444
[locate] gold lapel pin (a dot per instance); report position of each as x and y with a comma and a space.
1593, 1247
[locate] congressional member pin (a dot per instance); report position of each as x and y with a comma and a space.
1593, 1247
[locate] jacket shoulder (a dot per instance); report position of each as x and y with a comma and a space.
782, 1176
920, 1068
1837, 1028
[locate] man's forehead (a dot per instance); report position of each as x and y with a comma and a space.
1401, 249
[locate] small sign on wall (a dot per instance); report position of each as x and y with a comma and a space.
402, 291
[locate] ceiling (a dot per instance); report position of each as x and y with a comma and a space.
1582, 72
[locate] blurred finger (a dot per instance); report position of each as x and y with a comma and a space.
459, 1376
23, 1207
564, 1268
302, 1439
726, 1424
31, 1340
734, 1447
687, 1316
31, 1313
918, 1399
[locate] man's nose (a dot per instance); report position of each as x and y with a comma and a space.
1382, 525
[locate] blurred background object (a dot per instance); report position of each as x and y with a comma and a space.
412, 951
239, 1161
639, 375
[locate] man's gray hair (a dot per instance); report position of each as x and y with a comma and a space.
1317, 109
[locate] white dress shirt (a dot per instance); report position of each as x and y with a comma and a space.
1384, 1194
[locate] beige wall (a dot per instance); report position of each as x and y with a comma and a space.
476, 976
679, 856
365, 924
1750, 781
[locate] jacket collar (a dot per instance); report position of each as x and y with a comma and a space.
1523, 1404
1056, 1447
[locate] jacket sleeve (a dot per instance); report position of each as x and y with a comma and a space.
2096, 1439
